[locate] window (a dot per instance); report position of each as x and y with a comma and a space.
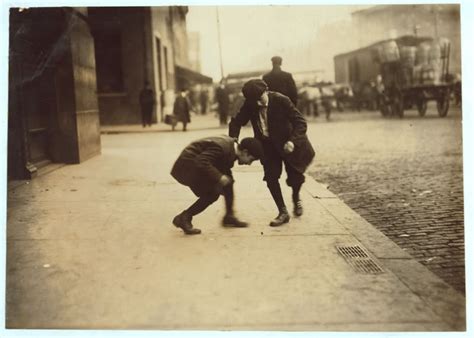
108, 56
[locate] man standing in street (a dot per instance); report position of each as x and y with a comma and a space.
280, 81
282, 130
147, 102
223, 103
205, 167
204, 98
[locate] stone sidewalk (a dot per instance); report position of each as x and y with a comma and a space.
198, 122
92, 246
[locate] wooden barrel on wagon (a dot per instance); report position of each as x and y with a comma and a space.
389, 51
408, 56
422, 53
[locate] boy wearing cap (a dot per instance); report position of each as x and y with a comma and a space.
282, 130
205, 167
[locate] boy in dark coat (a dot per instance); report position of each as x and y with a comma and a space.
282, 130
205, 167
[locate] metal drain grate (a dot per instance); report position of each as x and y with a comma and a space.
359, 259
352, 251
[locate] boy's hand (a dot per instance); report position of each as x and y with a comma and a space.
225, 180
288, 147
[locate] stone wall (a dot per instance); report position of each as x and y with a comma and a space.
54, 96
85, 89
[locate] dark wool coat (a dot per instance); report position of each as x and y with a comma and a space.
223, 99
281, 82
181, 109
202, 163
285, 123
147, 99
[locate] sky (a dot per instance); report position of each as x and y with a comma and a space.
251, 35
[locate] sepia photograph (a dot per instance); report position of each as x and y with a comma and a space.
269, 168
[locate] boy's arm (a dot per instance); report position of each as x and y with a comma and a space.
205, 162
241, 119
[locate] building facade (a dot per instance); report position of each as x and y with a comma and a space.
73, 69
53, 107
135, 45
194, 45
123, 51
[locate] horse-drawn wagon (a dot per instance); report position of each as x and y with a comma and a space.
414, 71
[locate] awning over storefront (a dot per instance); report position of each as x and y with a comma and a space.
186, 77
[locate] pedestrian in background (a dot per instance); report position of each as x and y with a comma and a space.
282, 130
223, 103
280, 81
204, 98
193, 96
308, 100
380, 91
147, 102
182, 109
205, 167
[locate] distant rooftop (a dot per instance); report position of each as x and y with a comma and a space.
369, 9
364, 9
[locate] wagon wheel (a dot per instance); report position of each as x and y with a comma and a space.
421, 105
397, 103
443, 104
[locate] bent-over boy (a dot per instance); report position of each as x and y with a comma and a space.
205, 167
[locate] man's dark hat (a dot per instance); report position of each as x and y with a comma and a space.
253, 89
277, 60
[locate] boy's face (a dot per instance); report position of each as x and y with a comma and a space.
263, 100
245, 158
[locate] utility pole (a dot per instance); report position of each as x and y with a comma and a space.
436, 19
219, 42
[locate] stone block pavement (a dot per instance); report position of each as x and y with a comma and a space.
405, 177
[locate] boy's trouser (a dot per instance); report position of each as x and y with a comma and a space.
207, 199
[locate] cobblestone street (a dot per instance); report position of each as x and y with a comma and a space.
402, 175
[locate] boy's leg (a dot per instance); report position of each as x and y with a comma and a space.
228, 193
184, 219
201, 204
295, 180
229, 219
272, 167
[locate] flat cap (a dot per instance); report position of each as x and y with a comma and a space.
253, 89
277, 60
